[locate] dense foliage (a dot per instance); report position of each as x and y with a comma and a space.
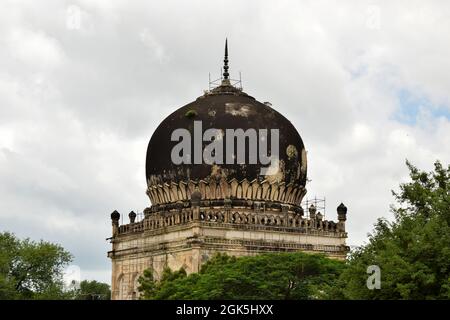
31, 270
413, 251
93, 290
267, 276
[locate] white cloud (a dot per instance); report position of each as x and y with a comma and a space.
149, 40
34, 48
78, 105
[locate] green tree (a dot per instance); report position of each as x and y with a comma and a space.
267, 276
93, 290
150, 288
413, 251
31, 270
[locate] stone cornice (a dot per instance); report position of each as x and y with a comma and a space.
220, 244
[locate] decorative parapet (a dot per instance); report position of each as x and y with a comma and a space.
234, 218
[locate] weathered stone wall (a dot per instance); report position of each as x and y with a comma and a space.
190, 244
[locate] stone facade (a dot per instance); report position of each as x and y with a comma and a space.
188, 236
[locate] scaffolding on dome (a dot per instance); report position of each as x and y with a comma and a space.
237, 83
318, 203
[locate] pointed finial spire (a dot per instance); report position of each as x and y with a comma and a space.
225, 62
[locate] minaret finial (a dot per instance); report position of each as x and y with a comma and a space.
225, 62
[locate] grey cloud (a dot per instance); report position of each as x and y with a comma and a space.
81, 95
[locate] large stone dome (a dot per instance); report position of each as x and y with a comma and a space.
225, 173
226, 107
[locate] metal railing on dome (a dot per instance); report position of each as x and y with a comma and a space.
217, 82
318, 203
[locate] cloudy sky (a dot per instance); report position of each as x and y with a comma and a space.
83, 85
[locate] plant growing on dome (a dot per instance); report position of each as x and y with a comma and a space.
191, 114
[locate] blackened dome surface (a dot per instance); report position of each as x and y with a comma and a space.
225, 108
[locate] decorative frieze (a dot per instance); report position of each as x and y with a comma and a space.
215, 190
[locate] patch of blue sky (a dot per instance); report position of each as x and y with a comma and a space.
357, 72
410, 105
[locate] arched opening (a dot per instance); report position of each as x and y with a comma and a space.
122, 287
